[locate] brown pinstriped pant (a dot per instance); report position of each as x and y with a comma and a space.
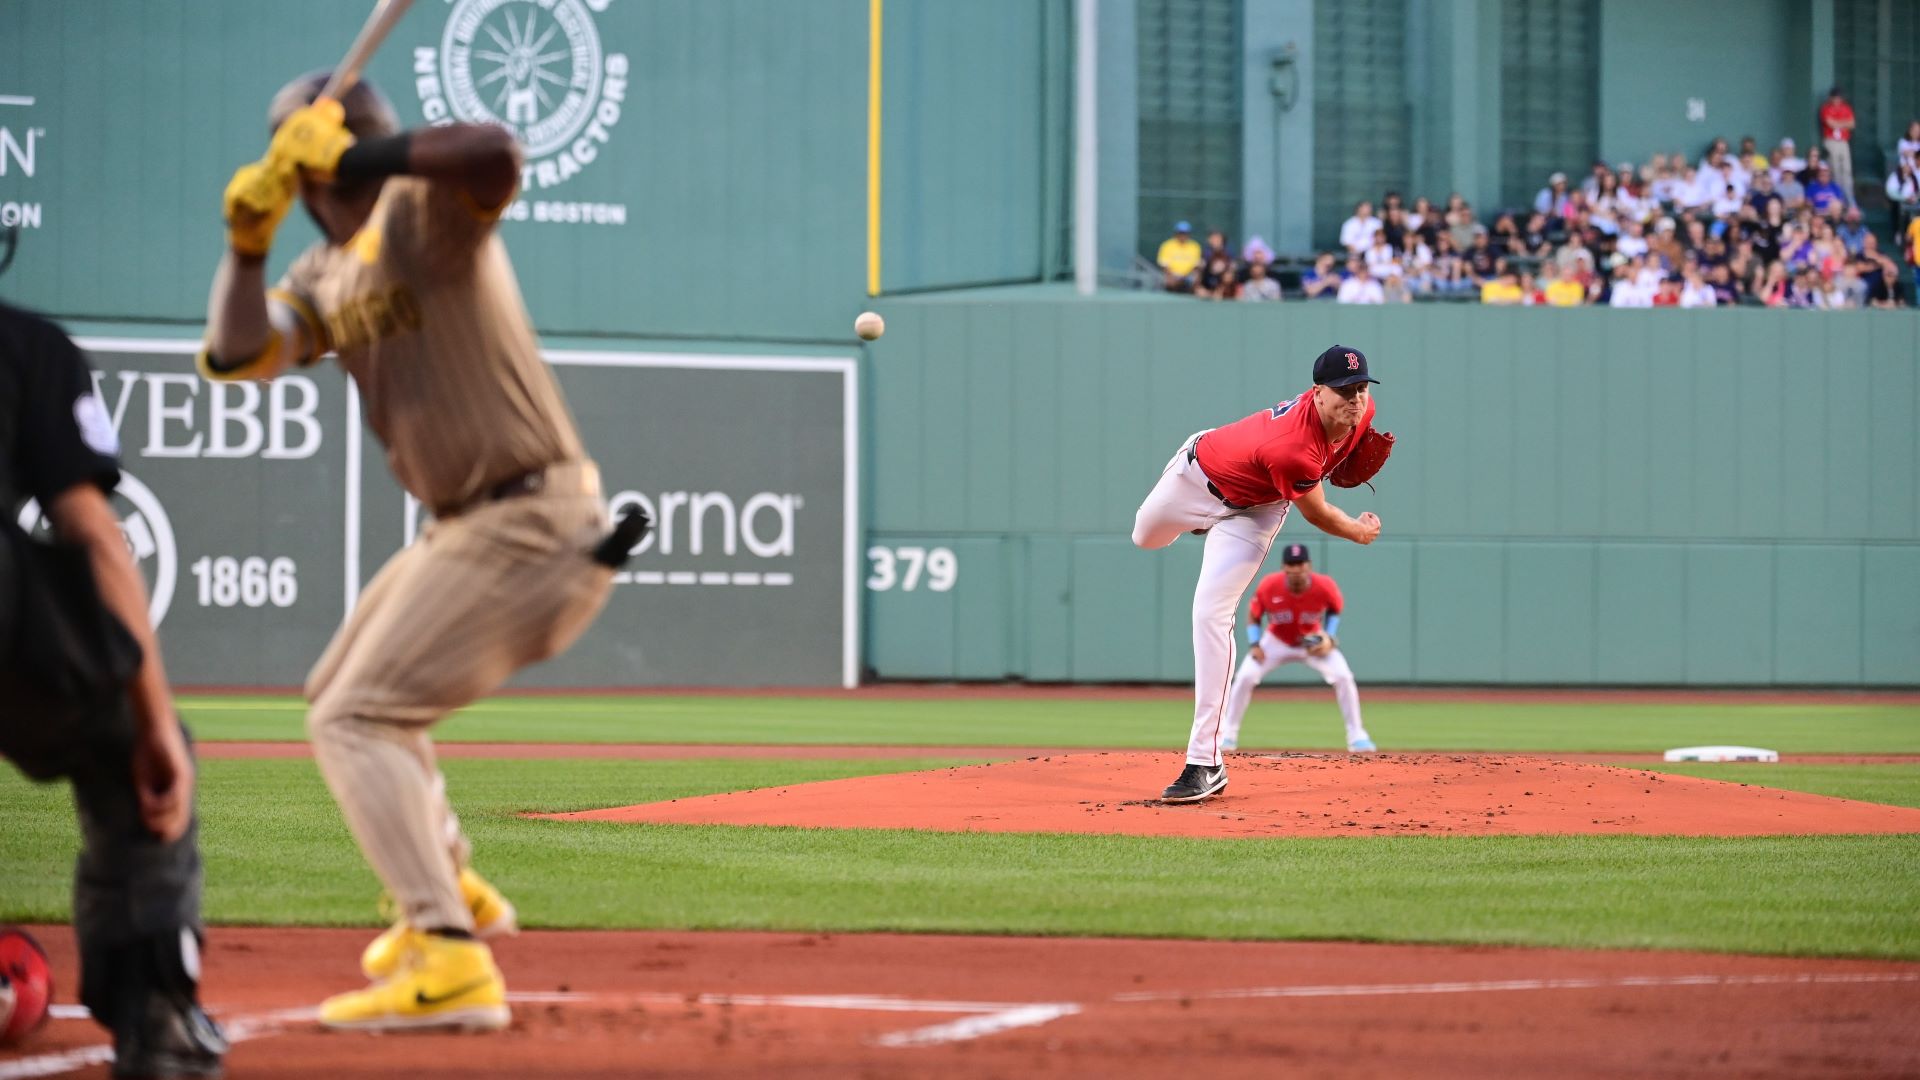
447, 620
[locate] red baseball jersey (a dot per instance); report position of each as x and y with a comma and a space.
1291, 615
1832, 115
1276, 454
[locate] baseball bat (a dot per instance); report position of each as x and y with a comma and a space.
385, 14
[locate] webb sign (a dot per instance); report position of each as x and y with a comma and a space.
259, 513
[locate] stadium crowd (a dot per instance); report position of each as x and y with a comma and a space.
1774, 228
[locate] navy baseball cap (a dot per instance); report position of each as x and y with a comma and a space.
1293, 554
1341, 366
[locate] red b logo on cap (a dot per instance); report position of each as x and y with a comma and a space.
1353, 362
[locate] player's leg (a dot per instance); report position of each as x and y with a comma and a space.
1178, 504
1239, 696
1235, 549
1346, 692
490, 592
373, 602
1245, 680
493, 914
466, 606
399, 760
136, 915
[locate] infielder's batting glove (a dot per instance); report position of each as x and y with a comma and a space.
257, 197
313, 138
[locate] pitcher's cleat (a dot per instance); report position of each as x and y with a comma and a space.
1361, 746
1196, 783
443, 984
493, 916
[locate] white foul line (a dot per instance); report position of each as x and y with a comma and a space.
55, 1064
986, 1017
973, 1027
989, 1017
239, 1029
853, 1002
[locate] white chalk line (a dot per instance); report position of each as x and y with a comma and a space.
239, 1029
974, 1027
1510, 985
985, 1018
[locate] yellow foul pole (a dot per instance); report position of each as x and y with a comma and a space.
873, 147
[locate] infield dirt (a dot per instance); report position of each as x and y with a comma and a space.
732, 1006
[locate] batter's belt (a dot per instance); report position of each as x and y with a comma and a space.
561, 478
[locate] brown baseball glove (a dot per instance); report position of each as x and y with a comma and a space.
1359, 466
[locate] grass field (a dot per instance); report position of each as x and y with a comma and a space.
278, 853
1438, 725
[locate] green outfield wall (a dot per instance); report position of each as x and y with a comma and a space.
699, 169
1582, 497
1578, 497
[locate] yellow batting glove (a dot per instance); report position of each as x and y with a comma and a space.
257, 197
313, 138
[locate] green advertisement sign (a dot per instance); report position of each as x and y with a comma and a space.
258, 511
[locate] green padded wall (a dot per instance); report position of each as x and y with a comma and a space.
1585, 496
727, 198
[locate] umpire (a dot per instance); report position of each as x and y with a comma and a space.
83, 696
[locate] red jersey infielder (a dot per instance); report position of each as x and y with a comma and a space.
1236, 484
1301, 612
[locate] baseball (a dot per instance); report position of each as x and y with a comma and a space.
869, 325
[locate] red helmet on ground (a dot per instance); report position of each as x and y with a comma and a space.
26, 985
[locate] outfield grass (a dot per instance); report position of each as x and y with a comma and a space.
1425, 725
278, 853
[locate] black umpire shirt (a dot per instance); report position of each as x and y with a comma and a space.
54, 430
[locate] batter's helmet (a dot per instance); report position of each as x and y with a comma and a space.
369, 113
26, 985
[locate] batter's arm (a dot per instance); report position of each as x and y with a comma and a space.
480, 161
483, 160
252, 334
1334, 521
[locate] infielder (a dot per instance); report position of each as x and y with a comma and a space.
1235, 484
412, 289
1300, 611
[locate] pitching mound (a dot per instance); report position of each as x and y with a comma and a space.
1286, 795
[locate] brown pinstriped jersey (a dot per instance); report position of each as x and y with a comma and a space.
423, 310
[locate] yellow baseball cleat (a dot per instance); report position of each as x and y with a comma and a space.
493, 916
443, 983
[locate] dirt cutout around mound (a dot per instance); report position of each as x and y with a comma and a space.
1286, 795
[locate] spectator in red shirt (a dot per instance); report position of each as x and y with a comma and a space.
1669, 294
1836, 134
1300, 611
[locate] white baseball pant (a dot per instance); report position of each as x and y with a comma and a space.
1237, 543
1332, 668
